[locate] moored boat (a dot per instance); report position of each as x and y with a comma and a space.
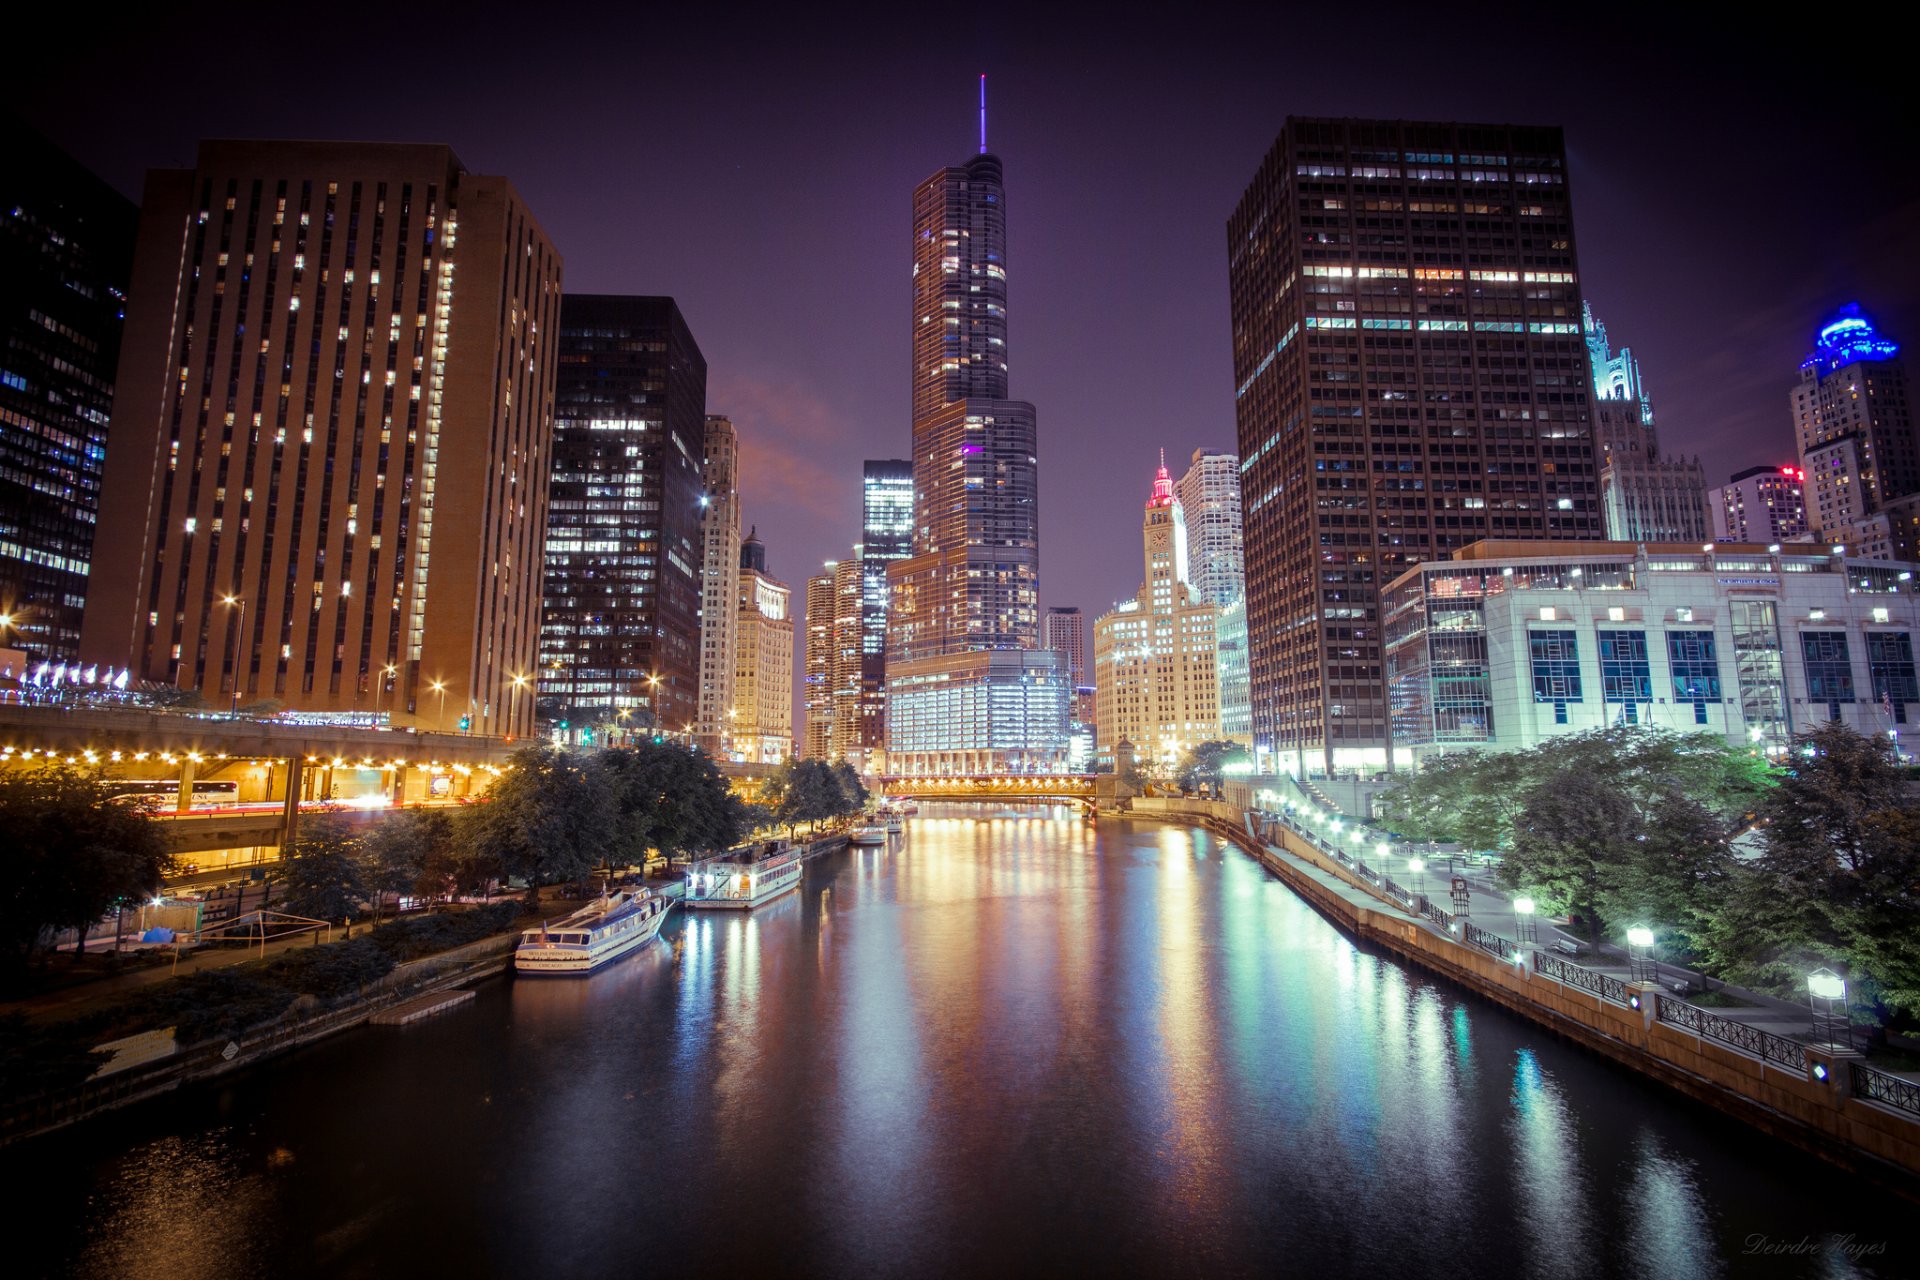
607, 928
872, 833
743, 878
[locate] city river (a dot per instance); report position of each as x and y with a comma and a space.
1017, 1043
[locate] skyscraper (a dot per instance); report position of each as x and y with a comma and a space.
621, 628
1154, 671
886, 492
817, 695
327, 482
965, 604
1410, 377
1208, 510
1648, 497
761, 719
719, 582
1858, 443
1760, 504
845, 666
1065, 631
66, 249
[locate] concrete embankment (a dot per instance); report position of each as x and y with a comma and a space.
1812, 1103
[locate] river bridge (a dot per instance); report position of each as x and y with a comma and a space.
1077, 788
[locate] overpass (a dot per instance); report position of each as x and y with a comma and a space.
1078, 788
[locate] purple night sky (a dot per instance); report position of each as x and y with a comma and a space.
1731, 186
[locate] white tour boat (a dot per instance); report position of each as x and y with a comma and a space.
744, 878
894, 820
604, 930
872, 833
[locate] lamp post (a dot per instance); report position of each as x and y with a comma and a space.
386, 673
239, 606
513, 707
1418, 866
440, 721
1826, 992
1640, 954
1523, 919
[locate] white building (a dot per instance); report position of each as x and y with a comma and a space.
1208, 515
1760, 504
1510, 643
760, 720
987, 712
719, 580
1155, 677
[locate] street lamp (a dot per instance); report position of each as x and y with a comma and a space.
387, 673
239, 607
1826, 992
1523, 919
513, 710
440, 687
1418, 866
1640, 954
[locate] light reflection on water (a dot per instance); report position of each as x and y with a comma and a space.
1018, 1043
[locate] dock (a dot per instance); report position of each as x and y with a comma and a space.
420, 1007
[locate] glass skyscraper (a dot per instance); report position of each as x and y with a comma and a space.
886, 535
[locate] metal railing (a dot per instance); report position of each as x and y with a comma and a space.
1893, 1091
1395, 892
1487, 940
1764, 1045
1574, 975
1442, 918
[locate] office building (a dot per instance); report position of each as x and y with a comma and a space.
817, 740
66, 251
851, 729
1410, 377
886, 525
621, 628
1856, 431
1207, 507
327, 482
719, 582
760, 722
1065, 631
1648, 496
1155, 677
1510, 643
1760, 504
971, 587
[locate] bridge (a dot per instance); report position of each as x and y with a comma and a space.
1078, 788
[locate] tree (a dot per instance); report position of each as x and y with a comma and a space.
395, 854
550, 818
1569, 845
853, 792
72, 854
1205, 765
322, 868
671, 798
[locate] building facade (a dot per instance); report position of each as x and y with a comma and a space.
886, 535
817, 731
1065, 631
1648, 496
327, 484
719, 582
1760, 504
1155, 677
1508, 644
1410, 377
760, 721
1208, 509
66, 252
1858, 444
852, 712
971, 587
621, 625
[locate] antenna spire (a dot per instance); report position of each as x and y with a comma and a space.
983, 113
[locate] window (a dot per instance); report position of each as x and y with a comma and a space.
1890, 665
1695, 669
1625, 677
1829, 670
1556, 669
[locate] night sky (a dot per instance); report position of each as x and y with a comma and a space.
1730, 187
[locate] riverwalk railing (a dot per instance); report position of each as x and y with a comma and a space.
1604, 985
1487, 940
1888, 1090
1764, 1045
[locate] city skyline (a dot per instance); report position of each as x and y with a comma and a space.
1715, 314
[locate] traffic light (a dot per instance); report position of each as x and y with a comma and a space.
563, 724
466, 722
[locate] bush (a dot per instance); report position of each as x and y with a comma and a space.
330, 972
416, 936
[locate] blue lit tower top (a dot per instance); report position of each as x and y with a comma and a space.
1848, 337
1616, 375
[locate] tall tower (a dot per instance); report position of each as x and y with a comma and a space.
330, 449
762, 724
1648, 497
64, 261
816, 742
886, 535
1209, 515
963, 627
1154, 676
621, 629
1410, 377
719, 582
1858, 443
1065, 631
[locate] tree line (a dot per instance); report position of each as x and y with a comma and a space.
1753, 873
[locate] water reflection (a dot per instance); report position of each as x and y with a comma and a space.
1013, 1041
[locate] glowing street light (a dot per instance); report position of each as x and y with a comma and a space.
1827, 1001
1640, 954
440, 687
1523, 919
239, 606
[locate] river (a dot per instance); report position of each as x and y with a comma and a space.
1018, 1042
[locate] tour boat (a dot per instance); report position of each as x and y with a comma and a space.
894, 821
744, 878
604, 930
872, 833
